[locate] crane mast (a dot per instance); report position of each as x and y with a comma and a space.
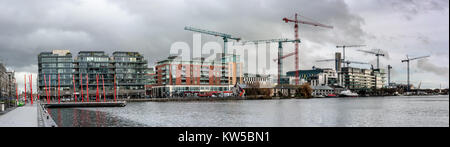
296, 21
280, 52
347, 46
225, 38
407, 60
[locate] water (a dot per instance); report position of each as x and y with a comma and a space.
432, 111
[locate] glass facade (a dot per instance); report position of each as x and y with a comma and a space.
129, 68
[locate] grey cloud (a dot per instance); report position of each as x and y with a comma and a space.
410, 8
150, 27
426, 65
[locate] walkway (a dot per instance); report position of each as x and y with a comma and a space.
25, 116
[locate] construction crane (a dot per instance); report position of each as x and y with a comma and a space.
347, 46
225, 38
407, 60
280, 51
346, 62
389, 75
377, 53
296, 21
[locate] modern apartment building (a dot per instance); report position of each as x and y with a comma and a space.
317, 76
174, 76
356, 78
128, 67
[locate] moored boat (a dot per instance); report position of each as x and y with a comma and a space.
348, 93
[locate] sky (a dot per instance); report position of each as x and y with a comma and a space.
398, 27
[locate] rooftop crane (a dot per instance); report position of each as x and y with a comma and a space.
296, 21
377, 53
225, 38
407, 60
280, 51
347, 62
347, 46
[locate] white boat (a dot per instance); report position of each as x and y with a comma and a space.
348, 93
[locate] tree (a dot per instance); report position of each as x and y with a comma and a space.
304, 91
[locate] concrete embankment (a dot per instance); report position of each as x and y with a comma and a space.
180, 99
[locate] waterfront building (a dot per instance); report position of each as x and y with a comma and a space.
357, 78
317, 76
322, 90
150, 80
175, 76
50, 64
128, 67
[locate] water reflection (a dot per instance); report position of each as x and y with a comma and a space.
375, 111
67, 117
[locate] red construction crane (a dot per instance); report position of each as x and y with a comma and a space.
296, 21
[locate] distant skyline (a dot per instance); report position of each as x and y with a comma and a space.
399, 27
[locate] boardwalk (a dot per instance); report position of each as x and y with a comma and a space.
25, 116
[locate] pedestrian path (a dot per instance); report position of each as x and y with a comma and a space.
25, 116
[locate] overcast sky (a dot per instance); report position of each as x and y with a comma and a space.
399, 27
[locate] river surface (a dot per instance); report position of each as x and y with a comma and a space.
420, 111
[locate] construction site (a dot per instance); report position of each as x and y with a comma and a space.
95, 76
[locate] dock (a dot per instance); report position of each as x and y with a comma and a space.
85, 104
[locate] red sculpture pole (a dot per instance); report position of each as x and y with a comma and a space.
17, 94
59, 99
81, 83
49, 86
96, 96
87, 88
25, 95
31, 88
73, 81
103, 83
115, 100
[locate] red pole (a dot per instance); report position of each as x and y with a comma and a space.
81, 83
73, 77
46, 90
115, 100
96, 96
49, 86
59, 99
17, 94
103, 83
25, 95
87, 88
31, 88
